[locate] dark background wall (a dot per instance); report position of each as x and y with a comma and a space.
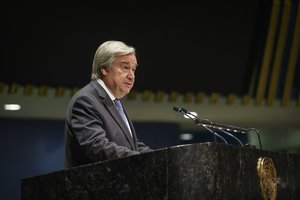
204, 46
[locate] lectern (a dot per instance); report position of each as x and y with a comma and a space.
184, 172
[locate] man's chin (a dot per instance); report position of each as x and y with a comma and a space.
125, 92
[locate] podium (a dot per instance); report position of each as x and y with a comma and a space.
184, 172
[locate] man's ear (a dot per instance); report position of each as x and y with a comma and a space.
103, 71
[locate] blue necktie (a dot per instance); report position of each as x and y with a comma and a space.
121, 111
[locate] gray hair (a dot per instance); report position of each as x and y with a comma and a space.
106, 54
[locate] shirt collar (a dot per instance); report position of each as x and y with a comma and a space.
111, 96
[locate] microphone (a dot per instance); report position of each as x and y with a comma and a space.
197, 121
213, 126
185, 112
216, 125
227, 127
228, 133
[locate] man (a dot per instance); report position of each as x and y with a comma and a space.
95, 129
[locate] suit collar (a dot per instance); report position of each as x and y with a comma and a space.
110, 94
102, 93
114, 112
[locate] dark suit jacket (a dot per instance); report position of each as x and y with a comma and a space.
95, 131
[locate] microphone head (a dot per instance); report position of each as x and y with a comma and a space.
184, 110
176, 108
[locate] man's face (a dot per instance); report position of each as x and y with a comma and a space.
120, 77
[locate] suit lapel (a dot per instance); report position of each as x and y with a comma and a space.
115, 113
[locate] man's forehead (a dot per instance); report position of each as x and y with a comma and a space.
128, 62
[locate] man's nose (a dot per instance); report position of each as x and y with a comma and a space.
131, 74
